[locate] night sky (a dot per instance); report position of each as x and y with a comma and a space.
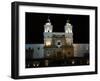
35, 26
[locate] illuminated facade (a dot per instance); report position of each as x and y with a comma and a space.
57, 46
60, 44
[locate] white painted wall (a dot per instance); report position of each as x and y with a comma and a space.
5, 40
38, 50
80, 49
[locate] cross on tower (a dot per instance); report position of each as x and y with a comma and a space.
48, 19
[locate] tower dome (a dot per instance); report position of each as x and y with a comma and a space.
68, 27
48, 26
48, 23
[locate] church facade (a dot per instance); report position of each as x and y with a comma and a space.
57, 46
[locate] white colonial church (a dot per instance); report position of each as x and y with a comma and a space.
56, 43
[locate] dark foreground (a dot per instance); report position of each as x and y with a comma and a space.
76, 61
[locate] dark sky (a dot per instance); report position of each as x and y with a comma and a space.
35, 26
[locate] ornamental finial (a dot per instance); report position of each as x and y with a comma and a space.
48, 19
68, 20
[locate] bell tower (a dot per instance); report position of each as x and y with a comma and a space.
48, 28
68, 33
